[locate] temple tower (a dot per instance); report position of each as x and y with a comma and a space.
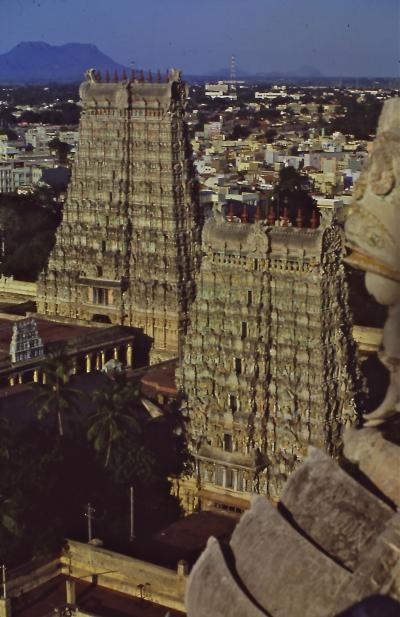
267, 360
128, 246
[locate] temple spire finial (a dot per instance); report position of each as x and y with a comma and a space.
314, 220
299, 218
271, 217
285, 217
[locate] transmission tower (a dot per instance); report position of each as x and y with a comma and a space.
233, 69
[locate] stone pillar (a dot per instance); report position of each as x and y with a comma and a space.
36, 375
182, 568
97, 362
102, 358
129, 354
235, 480
19, 377
224, 477
5, 607
74, 366
11, 380
70, 588
88, 361
115, 353
44, 378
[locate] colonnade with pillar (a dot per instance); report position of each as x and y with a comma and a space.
84, 362
96, 360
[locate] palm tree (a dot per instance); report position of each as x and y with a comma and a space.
5, 436
113, 417
56, 396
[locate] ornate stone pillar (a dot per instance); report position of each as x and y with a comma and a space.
224, 477
115, 353
98, 362
88, 362
36, 375
44, 379
129, 354
20, 378
102, 358
11, 380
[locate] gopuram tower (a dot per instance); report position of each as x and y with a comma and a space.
128, 245
268, 359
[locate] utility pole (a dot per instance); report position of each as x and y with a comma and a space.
4, 570
89, 515
132, 515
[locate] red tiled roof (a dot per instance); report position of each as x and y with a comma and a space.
161, 378
50, 332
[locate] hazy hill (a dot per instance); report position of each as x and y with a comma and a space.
37, 62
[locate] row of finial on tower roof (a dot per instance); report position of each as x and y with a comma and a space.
139, 76
271, 217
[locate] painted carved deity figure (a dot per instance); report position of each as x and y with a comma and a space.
372, 233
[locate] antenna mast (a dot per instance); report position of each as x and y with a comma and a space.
233, 69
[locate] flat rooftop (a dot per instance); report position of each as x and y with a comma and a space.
96, 600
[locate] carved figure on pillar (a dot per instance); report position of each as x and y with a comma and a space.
372, 228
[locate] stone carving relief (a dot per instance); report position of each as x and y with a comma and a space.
372, 226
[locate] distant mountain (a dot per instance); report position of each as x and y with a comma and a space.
303, 71
37, 62
226, 74
307, 71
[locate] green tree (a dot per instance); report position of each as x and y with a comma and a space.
61, 148
28, 223
291, 192
56, 396
115, 415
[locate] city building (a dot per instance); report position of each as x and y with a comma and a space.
128, 247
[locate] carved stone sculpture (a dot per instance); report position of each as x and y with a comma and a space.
268, 365
128, 247
372, 232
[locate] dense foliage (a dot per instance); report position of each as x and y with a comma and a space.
28, 224
355, 117
60, 114
36, 95
48, 478
292, 192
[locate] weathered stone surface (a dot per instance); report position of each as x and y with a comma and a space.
268, 360
271, 558
372, 233
285, 573
348, 516
129, 243
378, 571
213, 590
377, 458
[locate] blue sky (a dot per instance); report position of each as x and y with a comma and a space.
338, 37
